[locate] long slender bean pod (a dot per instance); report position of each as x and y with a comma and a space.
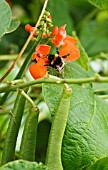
53, 158
28, 144
12, 132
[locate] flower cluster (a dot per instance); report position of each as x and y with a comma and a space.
65, 44
43, 28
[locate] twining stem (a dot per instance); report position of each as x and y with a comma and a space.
53, 79
26, 43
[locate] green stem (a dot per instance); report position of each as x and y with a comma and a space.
103, 96
53, 158
13, 82
8, 57
28, 98
100, 90
52, 79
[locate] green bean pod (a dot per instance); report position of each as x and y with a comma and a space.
53, 158
28, 144
12, 132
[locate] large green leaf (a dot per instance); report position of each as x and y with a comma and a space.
23, 165
13, 25
86, 133
5, 17
86, 136
94, 36
101, 4
101, 164
7, 23
52, 92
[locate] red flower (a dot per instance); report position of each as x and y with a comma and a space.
30, 29
69, 47
59, 34
38, 70
41, 51
67, 42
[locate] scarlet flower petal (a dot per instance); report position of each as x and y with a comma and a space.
30, 29
55, 31
42, 50
59, 34
73, 40
57, 42
62, 31
38, 70
70, 48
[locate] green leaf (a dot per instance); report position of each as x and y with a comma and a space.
83, 59
94, 36
13, 25
23, 165
101, 4
5, 17
86, 134
101, 164
52, 92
